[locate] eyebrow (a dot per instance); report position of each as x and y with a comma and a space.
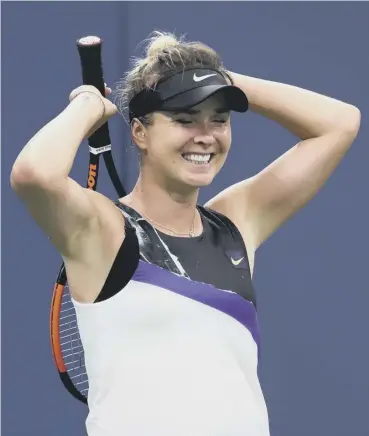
220, 110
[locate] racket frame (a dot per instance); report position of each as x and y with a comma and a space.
89, 49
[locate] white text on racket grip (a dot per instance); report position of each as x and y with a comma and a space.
100, 149
92, 176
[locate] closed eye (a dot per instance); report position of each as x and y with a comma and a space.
221, 121
180, 121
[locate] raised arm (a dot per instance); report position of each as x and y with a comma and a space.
327, 128
65, 211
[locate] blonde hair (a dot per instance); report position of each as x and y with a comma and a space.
163, 52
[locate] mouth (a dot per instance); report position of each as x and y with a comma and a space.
198, 158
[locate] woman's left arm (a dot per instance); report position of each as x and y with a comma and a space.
327, 128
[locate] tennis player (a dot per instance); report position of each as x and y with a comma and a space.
161, 285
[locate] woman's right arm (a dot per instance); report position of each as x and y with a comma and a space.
67, 212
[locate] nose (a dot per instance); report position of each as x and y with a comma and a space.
204, 135
205, 139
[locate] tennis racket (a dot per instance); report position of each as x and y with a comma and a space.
66, 343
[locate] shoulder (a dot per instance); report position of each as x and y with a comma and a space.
219, 220
227, 212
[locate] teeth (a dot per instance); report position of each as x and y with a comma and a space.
197, 158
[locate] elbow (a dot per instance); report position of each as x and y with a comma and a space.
26, 178
23, 176
350, 122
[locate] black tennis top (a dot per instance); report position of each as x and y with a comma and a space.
217, 257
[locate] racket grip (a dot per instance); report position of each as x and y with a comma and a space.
89, 49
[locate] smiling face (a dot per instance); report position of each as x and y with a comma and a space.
187, 149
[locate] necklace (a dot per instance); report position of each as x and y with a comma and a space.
191, 232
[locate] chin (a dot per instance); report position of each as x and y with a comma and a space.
199, 181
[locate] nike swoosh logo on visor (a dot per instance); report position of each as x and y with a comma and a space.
199, 79
236, 262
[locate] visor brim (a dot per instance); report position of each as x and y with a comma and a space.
235, 98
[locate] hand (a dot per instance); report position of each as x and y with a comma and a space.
105, 109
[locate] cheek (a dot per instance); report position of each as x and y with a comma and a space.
170, 140
225, 140
162, 147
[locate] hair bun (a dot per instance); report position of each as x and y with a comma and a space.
160, 42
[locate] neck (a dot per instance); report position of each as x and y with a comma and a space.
167, 209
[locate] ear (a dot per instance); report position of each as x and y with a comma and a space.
139, 134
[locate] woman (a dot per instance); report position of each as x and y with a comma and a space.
165, 305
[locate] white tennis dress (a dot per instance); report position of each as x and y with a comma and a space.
168, 355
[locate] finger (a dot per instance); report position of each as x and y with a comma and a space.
108, 91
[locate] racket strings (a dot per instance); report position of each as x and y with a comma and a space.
71, 344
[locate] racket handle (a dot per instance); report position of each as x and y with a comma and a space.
89, 49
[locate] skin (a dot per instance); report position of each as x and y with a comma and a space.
166, 178
205, 129
87, 229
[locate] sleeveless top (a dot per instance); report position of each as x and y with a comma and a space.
171, 343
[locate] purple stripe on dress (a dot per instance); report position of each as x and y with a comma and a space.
228, 302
